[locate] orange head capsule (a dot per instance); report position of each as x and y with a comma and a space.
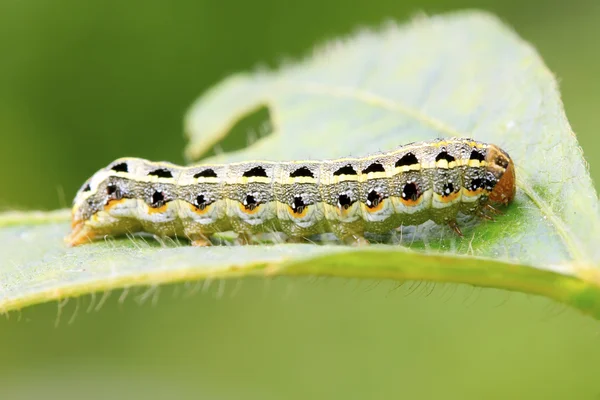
502, 168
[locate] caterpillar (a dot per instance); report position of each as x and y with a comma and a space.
432, 180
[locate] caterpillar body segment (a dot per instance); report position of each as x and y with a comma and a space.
421, 181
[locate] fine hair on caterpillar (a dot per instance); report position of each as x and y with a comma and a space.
434, 180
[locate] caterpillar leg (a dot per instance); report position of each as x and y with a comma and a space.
297, 239
483, 215
355, 240
201, 242
243, 239
455, 228
493, 210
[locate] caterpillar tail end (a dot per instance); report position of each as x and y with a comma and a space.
80, 234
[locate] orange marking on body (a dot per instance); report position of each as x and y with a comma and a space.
300, 214
450, 198
112, 203
472, 193
199, 211
410, 202
247, 210
161, 209
378, 207
345, 211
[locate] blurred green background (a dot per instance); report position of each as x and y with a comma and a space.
85, 82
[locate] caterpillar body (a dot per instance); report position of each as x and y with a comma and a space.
417, 182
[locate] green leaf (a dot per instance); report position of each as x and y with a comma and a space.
461, 74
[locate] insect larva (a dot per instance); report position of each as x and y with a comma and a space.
408, 186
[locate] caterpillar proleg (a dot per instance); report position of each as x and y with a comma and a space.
433, 180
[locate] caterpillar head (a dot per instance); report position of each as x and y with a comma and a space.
502, 168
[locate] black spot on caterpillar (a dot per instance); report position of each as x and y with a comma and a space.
375, 167
255, 172
120, 167
161, 173
345, 170
207, 173
443, 155
302, 172
407, 160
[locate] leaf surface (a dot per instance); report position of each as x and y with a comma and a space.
462, 74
